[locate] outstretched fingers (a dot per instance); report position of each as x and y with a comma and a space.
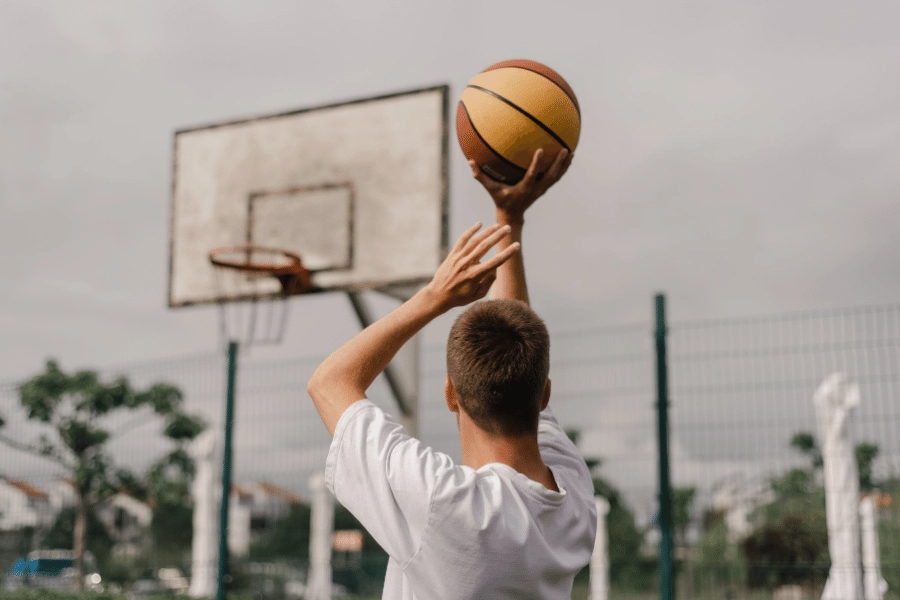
491, 265
465, 237
479, 245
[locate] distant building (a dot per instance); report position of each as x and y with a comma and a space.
25, 514
62, 496
271, 503
254, 509
737, 497
23, 505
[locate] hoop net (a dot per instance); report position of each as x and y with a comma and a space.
245, 272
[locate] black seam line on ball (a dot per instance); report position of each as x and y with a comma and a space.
561, 88
524, 112
486, 145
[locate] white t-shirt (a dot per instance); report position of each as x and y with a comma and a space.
456, 533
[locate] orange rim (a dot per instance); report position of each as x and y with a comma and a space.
293, 266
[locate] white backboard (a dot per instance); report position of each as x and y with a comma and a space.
357, 189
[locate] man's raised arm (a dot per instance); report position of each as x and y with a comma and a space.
512, 201
343, 378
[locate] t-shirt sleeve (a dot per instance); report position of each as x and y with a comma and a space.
557, 449
384, 477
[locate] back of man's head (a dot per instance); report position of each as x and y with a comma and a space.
498, 358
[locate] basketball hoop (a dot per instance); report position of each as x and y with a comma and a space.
256, 261
256, 265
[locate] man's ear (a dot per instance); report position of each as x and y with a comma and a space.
545, 397
450, 395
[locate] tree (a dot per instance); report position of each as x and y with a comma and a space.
718, 562
790, 547
682, 506
97, 539
289, 537
865, 456
72, 408
805, 443
789, 542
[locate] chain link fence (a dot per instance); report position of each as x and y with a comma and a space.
748, 499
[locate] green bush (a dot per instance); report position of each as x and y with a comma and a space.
628, 569
790, 545
889, 536
718, 562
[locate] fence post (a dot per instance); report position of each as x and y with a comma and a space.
223, 578
666, 586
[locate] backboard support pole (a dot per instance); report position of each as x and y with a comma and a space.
224, 577
402, 374
666, 582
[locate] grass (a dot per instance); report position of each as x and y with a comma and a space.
579, 592
52, 595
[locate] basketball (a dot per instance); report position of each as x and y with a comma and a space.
511, 109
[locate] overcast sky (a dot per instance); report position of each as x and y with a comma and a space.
741, 156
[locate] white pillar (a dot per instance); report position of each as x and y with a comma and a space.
238, 526
318, 585
600, 556
834, 401
204, 490
873, 584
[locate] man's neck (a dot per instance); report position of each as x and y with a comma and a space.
521, 453
480, 448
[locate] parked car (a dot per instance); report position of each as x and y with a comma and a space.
53, 570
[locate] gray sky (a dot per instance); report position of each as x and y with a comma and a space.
741, 156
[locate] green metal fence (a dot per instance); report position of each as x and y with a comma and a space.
746, 459
743, 497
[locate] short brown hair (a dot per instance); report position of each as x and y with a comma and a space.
498, 358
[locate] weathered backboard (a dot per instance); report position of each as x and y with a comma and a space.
357, 189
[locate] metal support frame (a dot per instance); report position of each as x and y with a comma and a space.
666, 587
402, 374
224, 578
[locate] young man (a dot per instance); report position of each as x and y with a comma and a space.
517, 519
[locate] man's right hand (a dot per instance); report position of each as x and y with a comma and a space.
462, 277
513, 200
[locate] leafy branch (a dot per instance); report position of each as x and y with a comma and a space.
73, 407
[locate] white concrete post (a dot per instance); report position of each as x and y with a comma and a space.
318, 586
835, 401
600, 556
874, 584
204, 489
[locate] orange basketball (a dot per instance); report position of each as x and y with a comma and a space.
511, 109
